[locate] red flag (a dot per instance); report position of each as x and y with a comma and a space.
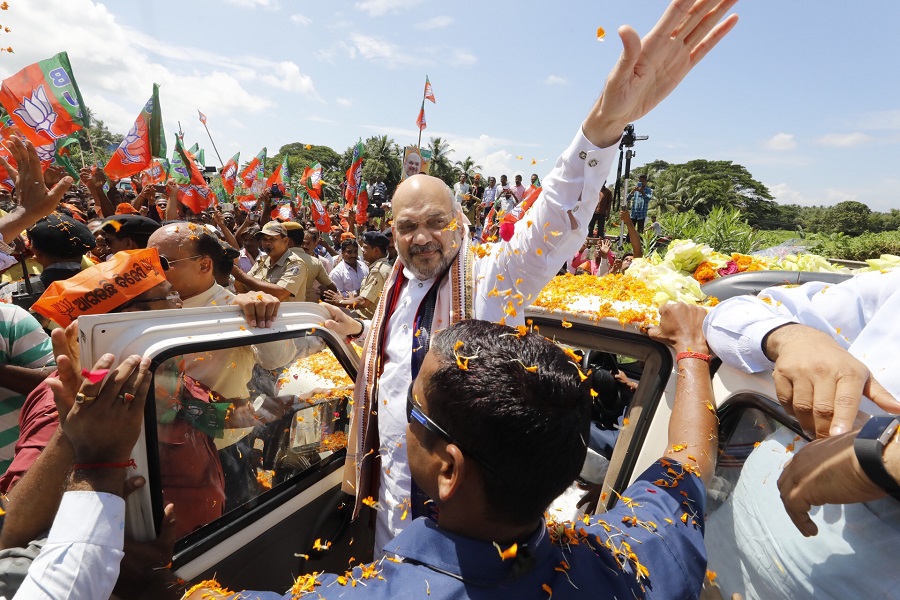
6, 182
285, 212
153, 174
314, 176
429, 92
197, 198
202, 117
320, 215
254, 170
247, 202
43, 100
420, 120
229, 173
362, 204
276, 179
354, 174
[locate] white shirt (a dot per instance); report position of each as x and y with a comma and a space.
460, 190
579, 173
246, 262
82, 555
861, 315
348, 280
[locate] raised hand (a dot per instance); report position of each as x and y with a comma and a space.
34, 196
649, 69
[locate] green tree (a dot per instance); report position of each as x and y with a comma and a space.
95, 144
849, 217
467, 166
441, 166
382, 159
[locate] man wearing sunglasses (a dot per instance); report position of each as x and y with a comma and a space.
440, 278
495, 442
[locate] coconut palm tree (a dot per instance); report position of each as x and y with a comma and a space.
467, 166
441, 166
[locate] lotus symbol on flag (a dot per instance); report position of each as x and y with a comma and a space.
37, 112
45, 153
316, 176
230, 172
132, 147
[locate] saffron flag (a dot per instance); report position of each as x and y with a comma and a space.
43, 100
155, 173
279, 176
362, 204
254, 172
145, 140
312, 181
420, 120
354, 173
247, 201
229, 173
6, 181
429, 91
202, 117
193, 193
320, 215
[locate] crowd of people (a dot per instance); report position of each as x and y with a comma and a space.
461, 415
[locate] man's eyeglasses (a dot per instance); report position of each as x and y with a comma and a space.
414, 411
166, 262
434, 224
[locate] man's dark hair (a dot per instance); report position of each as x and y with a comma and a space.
221, 253
348, 244
296, 236
532, 426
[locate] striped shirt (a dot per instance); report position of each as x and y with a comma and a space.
24, 344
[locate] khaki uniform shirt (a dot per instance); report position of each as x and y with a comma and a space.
289, 272
315, 273
373, 285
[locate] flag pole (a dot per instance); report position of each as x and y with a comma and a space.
419, 144
213, 144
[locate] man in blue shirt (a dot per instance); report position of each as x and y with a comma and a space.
498, 420
640, 202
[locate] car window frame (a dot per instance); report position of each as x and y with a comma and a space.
210, 535
658, 366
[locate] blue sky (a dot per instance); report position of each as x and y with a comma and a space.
802, 94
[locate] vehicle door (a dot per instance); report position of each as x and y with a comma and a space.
245, 432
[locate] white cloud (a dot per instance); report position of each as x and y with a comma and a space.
555, 80
436, 23
781, 142
784, 194
286, 75
880, 120
115, 67
462, 58
344, 102
844, 140
379, 50
271, 4
378, 8
301, 19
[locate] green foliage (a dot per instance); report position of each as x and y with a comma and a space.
703, 185
97, 148
441, 166
724, 229
862, 247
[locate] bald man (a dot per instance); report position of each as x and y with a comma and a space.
439, 279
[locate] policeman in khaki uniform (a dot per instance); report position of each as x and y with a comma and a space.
374, 251
282, 273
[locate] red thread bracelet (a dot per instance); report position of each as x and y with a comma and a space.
121, 465
697, 355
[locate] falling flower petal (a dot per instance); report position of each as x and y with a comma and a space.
601, 33
94, 376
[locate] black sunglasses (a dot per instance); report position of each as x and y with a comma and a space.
414, 411
166, 262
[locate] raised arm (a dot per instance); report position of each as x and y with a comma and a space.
35, 201
693, 426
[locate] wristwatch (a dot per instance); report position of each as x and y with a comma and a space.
869, 448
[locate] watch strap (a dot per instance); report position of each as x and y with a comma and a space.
869, 448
